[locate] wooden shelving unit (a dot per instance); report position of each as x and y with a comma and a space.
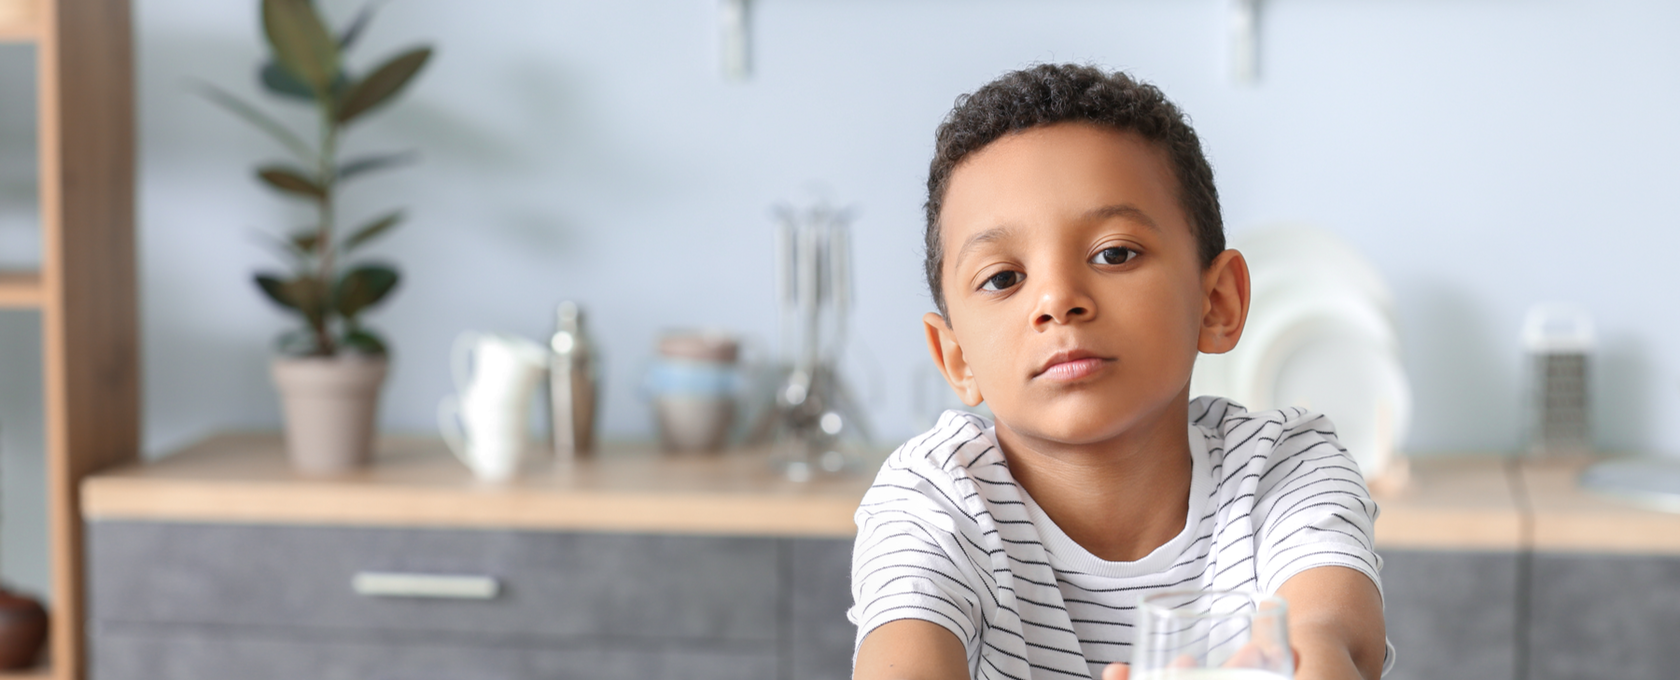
85, 286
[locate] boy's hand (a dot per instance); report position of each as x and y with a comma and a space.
911, 649
1117, 671
1335, 626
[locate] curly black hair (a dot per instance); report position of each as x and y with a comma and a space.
1061, 93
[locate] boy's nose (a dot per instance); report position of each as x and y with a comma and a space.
1060, 304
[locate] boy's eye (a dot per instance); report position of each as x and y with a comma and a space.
1001, 280
1115, 255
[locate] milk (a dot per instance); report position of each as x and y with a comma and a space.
1207, 674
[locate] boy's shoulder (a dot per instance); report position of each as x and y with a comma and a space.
938, 475
958, 443
1223, 416
1237, 430
1278, 448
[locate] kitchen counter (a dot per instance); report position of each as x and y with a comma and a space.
1466, 502
219, 555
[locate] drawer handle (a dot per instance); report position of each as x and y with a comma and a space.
435, 586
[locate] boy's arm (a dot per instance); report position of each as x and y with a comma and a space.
911, 649
1335, 624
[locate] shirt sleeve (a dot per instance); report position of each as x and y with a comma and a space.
1314, 509
908, 562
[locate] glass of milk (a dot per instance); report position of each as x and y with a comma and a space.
1212, 635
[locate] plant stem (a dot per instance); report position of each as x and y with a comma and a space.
324, 242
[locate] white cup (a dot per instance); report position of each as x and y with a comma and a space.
496, 365
485, 424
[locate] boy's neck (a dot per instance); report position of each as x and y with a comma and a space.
1121, 498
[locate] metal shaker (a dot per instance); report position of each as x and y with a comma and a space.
572, 385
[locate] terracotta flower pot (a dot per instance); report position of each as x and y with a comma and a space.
330, 406
23, 627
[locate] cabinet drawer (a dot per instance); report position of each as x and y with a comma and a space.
145, 654
551, 585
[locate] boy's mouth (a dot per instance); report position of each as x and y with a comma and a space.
1070, 365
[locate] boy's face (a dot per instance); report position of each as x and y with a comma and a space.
1076, 297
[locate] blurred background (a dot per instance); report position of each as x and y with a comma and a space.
1485, 155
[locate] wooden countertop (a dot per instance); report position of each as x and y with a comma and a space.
245, 478
1456, 503
1451, 503
1568, 519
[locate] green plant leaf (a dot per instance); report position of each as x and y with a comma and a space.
275, 289
257, 118
303, 294
382, 84
357, 25
372, 229
301, 42
364, 341
309, 296
363, 287
291, 180
281, 82
377, 162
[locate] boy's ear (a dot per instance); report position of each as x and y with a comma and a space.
948, 356
1224, 303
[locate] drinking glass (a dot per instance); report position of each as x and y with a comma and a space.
1212, 635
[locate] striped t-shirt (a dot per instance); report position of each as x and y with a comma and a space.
946, 535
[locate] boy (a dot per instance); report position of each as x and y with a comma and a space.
1077, 258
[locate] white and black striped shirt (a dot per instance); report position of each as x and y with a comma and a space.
946, 535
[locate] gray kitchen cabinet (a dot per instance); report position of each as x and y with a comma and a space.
1469, 615
1452, 615
820, 574
188, 600
202, 600
227, 655
1604, 616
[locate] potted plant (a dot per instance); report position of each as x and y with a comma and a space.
330, 369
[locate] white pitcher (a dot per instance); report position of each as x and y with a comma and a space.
484, 423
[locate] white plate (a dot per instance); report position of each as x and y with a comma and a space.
1320, 335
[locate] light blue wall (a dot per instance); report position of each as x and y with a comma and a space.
1486, 154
